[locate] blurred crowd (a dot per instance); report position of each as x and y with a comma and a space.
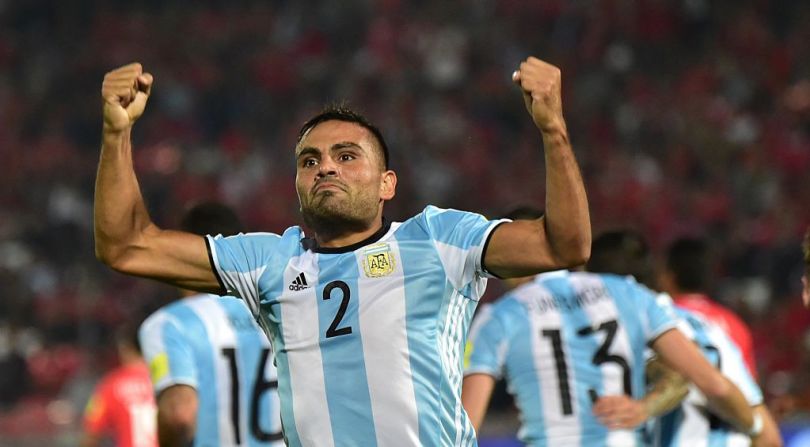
689, 117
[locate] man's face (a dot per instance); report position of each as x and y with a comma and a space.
339, 174
806, 290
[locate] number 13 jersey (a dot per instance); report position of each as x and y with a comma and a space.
368, 338
563, 339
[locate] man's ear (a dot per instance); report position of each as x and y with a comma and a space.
388, 185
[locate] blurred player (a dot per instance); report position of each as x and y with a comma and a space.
122, 406
212, 367
566, 338
685, 278
693, 424
368, 317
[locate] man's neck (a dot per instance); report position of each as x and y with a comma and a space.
337, 240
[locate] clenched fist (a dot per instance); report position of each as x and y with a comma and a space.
540, 83
124, 91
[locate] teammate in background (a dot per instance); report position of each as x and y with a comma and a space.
211, 365
692, 423
122, 406
685, 278
806, 276
566, 338
368, 318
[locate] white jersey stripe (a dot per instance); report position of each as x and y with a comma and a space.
306, 368
559, 425
455, 361
387, 359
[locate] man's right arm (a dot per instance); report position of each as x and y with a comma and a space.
126, 239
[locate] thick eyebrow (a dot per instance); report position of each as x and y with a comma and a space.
309, 150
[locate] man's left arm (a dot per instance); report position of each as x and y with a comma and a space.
561, 238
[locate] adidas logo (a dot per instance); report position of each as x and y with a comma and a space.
299, 283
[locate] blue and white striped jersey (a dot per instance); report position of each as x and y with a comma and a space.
213, 344
691, 424
368, 338
560, 341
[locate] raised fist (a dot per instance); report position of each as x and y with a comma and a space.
540, 83
125, 91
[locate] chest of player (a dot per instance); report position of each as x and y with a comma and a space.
336, 297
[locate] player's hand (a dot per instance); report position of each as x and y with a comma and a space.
540, 83
124, 92
620, 412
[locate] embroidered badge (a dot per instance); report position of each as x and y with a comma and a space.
378, 260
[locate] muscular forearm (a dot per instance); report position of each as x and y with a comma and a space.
567, 219
119, 214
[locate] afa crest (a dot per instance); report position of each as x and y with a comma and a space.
378, 260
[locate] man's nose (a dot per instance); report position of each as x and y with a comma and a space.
327, 167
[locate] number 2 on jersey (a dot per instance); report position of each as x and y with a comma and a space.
334, 330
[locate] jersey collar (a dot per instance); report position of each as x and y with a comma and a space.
311, 244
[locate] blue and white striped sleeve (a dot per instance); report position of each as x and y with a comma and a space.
167, 352
239, 261
659, 312
460, 238
487, 344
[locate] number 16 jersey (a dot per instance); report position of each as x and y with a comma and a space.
368, 338
563, 339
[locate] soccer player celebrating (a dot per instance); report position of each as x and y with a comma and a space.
565, 338
122, 405
368, 318
210, 363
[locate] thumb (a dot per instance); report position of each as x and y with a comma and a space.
145, 83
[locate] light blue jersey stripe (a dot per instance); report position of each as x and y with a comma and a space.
344, 372
429, 281
207, 423
521, 372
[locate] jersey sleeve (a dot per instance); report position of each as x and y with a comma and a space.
460, 238
239, 261
659, 313
167, 352
97, 412
485, 352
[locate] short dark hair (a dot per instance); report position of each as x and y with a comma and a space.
524, 213
621, 252
342, 113
211, 218
806, 250
689, 263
